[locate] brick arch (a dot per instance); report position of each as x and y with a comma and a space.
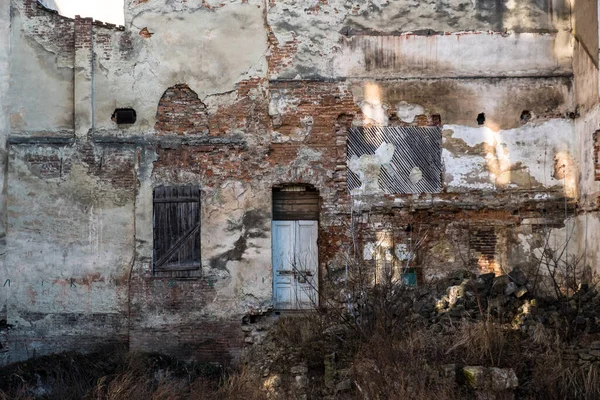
181, 112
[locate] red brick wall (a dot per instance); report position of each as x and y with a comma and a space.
169, 316
180, 111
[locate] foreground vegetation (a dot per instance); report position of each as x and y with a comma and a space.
391, 342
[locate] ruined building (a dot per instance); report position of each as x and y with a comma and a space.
210, 160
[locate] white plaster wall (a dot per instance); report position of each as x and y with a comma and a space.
585, 78
575, 244
459, 101
503, 15
317, 31
481, 54
208, 49
588, 223
41, 92
5, 52
523, 157
249, 279
585, 126
70, 242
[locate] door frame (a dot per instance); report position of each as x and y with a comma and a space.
303, 207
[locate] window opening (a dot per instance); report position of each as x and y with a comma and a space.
176, 221
394, 160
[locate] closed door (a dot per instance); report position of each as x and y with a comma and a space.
295, 261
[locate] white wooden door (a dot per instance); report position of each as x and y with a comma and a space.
283, 233
295, 261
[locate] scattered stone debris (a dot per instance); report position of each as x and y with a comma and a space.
301, 356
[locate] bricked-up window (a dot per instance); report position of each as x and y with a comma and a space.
597, 155
176, 219
401, 159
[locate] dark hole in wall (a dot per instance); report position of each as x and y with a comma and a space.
124, 116
525, 116
481, 119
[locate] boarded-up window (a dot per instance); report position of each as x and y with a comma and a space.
177, 231
295, 203
416, 164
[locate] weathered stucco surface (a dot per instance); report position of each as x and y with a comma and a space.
318, 33
222, 47
238, 98
46, 108
526, 157
485, 54
5, 51
459, 101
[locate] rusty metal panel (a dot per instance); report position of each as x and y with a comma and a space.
414, 147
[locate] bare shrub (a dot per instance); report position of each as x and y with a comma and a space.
403, 367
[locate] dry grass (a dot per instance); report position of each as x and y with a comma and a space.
123, 376
389, 353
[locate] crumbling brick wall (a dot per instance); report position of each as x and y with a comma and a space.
85, 200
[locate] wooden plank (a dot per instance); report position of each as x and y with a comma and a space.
295, 205
290, 207
175, 247
178, 200
294, 217
176, 223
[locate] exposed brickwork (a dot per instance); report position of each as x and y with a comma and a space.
280, 54
196, 335
111, 164
48, 167
145, 33
323, 101
331, 111
180, 111
85, 332
83, 33
482, 241
248, 113
52, 29
103, 40
213, 162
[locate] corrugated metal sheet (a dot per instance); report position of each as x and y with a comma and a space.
419, 147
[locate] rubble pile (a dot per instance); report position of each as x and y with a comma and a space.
306, 355
509, 298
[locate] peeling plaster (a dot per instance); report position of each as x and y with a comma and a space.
368, 167
520, 157
229, 47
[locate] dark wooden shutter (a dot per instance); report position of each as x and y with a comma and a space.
176, 229
295, 205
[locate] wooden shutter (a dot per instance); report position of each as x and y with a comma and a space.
176, 229
295, 205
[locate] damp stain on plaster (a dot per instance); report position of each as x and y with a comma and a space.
253, 224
